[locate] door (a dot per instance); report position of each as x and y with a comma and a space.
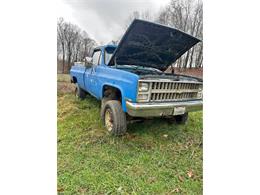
90, 74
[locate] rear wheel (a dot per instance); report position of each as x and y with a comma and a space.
113, 117
80, 93
179, 119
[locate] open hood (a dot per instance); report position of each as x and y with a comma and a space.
151, 45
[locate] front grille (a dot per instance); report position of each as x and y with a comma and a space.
172, 91
160, 91
174, 85
172, 96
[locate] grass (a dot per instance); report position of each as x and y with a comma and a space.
63, 78
155, 157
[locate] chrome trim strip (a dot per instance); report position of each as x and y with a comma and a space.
161, 109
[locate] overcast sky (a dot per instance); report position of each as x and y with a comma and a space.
104, 20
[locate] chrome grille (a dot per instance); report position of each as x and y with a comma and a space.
173, 96
172, 91
165, 90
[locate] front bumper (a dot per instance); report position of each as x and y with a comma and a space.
161, 109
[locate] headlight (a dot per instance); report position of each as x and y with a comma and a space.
143, 87
200, 93
142, 97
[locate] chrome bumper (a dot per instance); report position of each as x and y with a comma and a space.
161, 109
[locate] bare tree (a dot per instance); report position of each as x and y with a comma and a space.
185, 15
73, 44
145, 15
70, 39
87, 45
61, 31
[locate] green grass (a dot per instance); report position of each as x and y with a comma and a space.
155, 157
63, 78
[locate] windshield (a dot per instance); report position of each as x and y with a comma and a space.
108, 53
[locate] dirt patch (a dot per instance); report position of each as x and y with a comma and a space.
65, 87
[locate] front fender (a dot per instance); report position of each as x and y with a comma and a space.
126, 94
125, 81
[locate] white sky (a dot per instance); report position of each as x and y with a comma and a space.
104, 20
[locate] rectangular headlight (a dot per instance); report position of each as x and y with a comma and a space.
143, 87
142, 97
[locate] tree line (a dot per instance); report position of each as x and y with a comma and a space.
73, 44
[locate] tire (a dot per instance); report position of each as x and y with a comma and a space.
103, 101
181, 119
80, 93
113, 117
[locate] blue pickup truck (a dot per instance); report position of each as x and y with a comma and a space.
129, 78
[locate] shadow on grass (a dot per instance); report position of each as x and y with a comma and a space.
151, 126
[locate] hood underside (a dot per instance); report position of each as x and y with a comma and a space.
151, 45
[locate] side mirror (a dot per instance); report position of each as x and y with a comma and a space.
88, 62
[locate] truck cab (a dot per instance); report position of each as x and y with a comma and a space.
129, 78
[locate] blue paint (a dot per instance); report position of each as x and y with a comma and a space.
146, 45
94, 79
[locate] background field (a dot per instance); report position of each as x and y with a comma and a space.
155, 157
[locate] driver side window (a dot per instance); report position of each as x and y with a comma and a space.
96, 58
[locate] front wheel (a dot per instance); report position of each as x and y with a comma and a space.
113, 117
